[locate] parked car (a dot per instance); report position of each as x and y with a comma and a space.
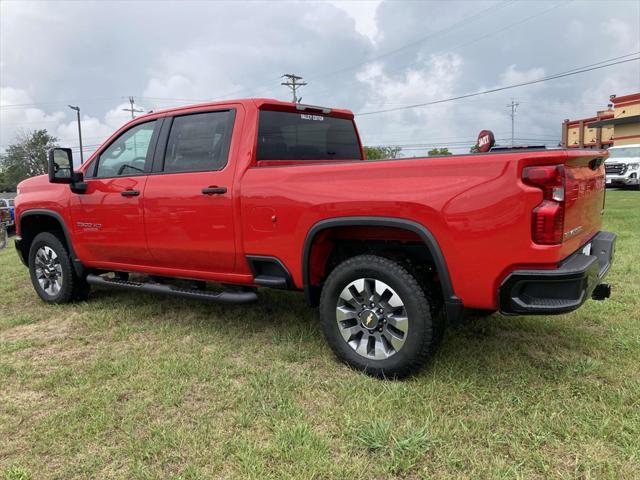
5, 220
262, 193
12, 210
623, 166
7, 205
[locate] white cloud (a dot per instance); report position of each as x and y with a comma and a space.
18, 115
61, 124
363, 14
514, 76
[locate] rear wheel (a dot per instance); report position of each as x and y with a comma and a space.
377, 317
52, 273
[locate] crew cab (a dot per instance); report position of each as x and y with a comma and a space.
623, 166
214, 201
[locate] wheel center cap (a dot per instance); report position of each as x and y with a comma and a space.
369, 319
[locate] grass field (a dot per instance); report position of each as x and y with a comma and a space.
127, 386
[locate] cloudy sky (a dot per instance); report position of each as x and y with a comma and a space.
362, 55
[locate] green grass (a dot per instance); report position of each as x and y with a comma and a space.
127, 386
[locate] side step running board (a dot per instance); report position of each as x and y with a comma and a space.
270, 281
220, 297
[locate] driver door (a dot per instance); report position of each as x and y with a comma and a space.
108, 221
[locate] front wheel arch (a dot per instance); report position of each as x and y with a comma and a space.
36, 221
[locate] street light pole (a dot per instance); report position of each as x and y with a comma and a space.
77, 109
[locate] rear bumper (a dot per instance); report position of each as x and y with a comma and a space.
560, 290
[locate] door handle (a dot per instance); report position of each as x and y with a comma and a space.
130, 193
214, 190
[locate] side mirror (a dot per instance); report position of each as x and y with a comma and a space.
60, 165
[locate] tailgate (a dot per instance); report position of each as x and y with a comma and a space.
584, 195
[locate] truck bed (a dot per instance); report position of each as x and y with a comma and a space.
476, 206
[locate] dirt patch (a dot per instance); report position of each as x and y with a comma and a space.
45, 359
43, 331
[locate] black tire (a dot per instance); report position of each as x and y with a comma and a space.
424, 318
71, 286
81, 289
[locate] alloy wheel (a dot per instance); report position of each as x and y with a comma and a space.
48, 270
372, 318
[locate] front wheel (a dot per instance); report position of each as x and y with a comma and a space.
52, 274
377, 318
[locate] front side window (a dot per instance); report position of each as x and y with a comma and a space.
199, 142
127, 155
302, 136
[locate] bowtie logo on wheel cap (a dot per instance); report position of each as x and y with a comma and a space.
369, 319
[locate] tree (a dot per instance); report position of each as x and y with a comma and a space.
379, 153
438, 151
25, 158
4, 185
475, 149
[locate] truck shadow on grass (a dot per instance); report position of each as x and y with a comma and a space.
488, 350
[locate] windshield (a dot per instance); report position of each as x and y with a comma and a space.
302, 136
625, 152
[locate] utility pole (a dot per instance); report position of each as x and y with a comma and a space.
132, 109
293, 83
513, 105
77, 109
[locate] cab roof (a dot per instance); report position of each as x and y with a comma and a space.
260, 104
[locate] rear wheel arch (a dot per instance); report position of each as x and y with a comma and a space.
312, 292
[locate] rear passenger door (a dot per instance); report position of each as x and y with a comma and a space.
188, 202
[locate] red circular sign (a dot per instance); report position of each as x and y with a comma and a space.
485, 141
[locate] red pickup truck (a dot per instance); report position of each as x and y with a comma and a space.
262, 193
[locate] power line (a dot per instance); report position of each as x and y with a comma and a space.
47, 122
475, 40
61, 102
437, 33
506, 87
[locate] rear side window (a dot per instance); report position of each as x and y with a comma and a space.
199, 142
302, 136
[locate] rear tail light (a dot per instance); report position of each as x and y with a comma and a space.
547, 222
